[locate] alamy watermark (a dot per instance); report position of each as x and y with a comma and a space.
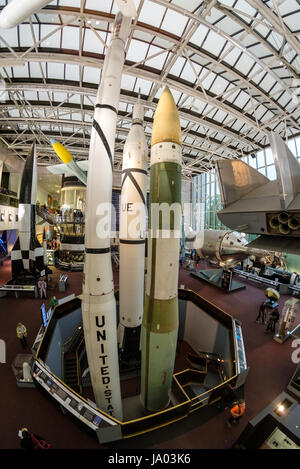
164, 220
296, 353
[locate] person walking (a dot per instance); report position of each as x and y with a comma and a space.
22, 334
262, 312
237, 411
31, 441
274, 316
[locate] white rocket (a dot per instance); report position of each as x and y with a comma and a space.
18, 10
98, 305
132, 234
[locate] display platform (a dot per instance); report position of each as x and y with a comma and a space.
219, 278
212, 335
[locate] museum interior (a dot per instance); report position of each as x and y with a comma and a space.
150, 224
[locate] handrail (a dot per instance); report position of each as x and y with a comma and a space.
78, 365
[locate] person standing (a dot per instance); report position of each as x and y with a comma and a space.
262, 312
53, 302
236, 412
42, 285
22, 334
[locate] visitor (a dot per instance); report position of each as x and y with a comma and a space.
274, 316
262, 312
236, 412
31, 440
22, 334
42, 285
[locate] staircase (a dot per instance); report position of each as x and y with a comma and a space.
70, 359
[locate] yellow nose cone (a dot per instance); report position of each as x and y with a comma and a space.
63, 154
166, 124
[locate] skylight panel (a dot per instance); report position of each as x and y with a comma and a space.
292, 22
214, 43
199, 35
72, 72
70, 38
174, 22
152, 14
191, 5
20, 71
229, 26
232, 57
53, 40
70, 3
30, 95
188, 73
91, 75
10, 36
208, 80
137, 51
94, 5
55, 70
219, 85
127, 82
177, 67
158, 61
92, 43
143, 36
245, 7
143, 85
244, 64
59, 97
76, 98
26, 39
35, 69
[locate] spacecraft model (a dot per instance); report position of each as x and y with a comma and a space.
226, 247
65, 156
132, 235
27, 255
18, 10
99, 305
160, 318
254, 204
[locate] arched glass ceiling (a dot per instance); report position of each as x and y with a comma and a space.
232, 66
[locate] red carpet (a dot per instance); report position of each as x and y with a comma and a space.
270, 371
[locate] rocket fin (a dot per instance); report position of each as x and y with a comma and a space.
276, 243
236, 179
63, 169
287, 169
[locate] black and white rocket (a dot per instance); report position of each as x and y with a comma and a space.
27, 255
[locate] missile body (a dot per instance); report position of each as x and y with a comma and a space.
18, 10
65, 156
160, 318
132, 235
98, 305
27, 254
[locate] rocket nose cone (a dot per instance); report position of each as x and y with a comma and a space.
166, 124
